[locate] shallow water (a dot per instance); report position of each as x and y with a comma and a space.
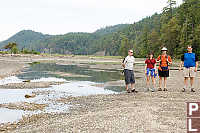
36, 71
8, 115
73, 86
13, 95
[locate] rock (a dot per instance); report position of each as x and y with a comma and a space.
26, 81
30, 96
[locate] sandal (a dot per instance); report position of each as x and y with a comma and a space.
183, 90
192, 90
165, 89
133, 90
159, 89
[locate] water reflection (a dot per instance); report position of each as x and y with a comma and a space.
44, 70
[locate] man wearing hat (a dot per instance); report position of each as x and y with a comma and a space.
190, 62
163, 69
128, 71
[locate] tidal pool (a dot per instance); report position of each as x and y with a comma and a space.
36, 71
47, 72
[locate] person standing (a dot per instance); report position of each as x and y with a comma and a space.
128, 71
163, 69
150, 71
190, 62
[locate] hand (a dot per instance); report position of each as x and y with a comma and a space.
195, 69
156, 72
145, 71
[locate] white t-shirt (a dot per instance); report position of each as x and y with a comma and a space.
129, 61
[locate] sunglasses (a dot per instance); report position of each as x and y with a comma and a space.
130, 52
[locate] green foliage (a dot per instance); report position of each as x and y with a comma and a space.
10, 45
175, 28
125, 46
26, 51
14, 50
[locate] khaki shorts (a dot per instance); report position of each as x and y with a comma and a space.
189, 72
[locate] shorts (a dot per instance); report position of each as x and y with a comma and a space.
151, 72
189, 72
129, 76
164, 73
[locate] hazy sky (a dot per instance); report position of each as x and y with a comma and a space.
63, 16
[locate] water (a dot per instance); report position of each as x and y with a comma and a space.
72, 86
8, 115
13, 95
36, 71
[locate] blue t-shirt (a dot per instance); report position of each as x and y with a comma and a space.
189, 59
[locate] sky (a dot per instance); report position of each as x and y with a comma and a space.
63, 16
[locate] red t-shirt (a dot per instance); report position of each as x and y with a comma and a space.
150, 63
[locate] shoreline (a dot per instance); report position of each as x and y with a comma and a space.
160, 111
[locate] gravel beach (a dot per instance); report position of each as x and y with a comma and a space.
142, 112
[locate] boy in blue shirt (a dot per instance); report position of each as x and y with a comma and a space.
190, 62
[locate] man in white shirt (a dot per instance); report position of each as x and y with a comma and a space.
128, 71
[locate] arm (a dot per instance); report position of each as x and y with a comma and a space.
170, 60
181, 65
123, 62
133, 60
155, 67
182, 62
145, 69
123, 65
196, 66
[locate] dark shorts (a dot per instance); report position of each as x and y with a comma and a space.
164, 73
129, 76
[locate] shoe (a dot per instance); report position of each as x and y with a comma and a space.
183, 90
165, 89
133, 90
159, 89
192, 90
153, 90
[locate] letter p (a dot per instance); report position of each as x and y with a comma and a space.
193, 107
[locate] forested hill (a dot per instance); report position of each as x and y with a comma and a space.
25, 38
111, 29
174, 28
70, 43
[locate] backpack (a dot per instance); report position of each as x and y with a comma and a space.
164, 68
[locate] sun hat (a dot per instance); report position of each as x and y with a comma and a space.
189, 47
130, 51
164, 49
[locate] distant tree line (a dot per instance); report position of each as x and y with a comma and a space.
175, 28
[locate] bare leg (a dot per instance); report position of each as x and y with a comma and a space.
132, 86
160, 82
165, 82
153, 81
127, 87
147, 83
185, 82
192, 82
